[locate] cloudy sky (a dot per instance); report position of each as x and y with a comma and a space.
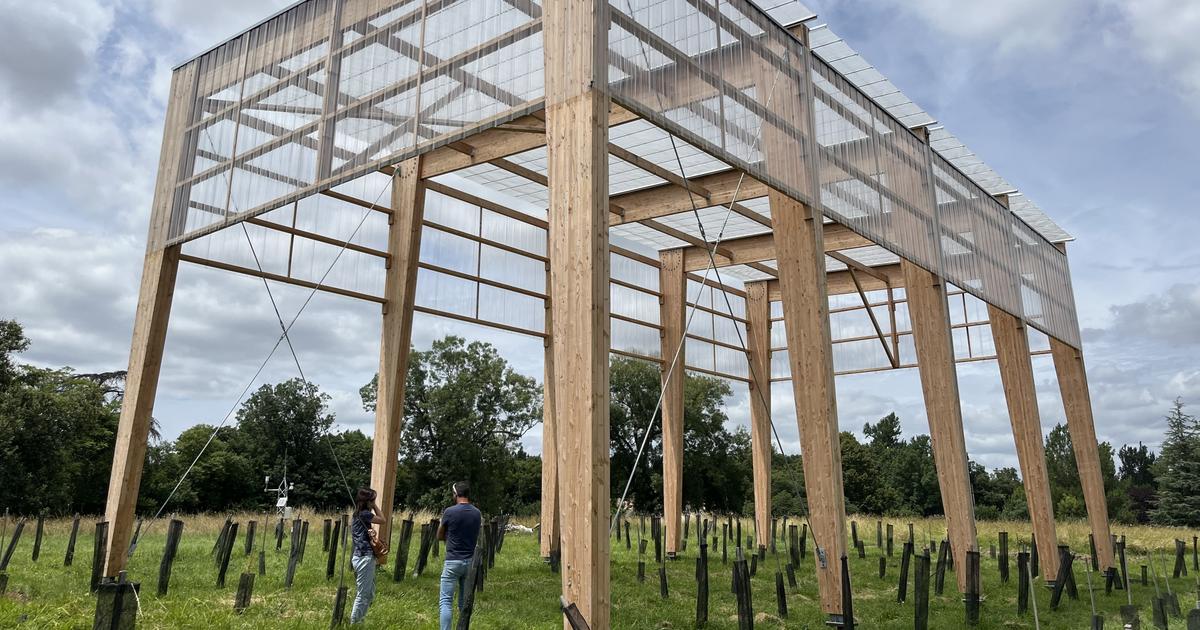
1092, 108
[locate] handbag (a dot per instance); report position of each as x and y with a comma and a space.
379, 548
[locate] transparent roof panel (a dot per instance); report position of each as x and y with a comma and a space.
839, 54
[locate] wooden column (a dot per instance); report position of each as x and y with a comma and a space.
137, 407
1016, 373
798, 242
157, 289
1072, 381
575, 34
550, 529
400, 286
673, 286
758, 313
930, 319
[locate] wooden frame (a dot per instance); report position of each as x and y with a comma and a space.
572, 122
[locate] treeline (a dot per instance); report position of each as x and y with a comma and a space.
465, 413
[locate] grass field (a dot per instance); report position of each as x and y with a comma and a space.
521, 592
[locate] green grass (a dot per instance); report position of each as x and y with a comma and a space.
522, 593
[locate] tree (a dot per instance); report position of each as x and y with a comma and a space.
1178, 471
717, 463
465, 413
1137, 481
12, 342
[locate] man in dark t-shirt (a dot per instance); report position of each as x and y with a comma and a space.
459, 528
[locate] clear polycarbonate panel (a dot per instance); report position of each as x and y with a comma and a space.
721, 76
331, 89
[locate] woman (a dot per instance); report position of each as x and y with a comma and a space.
366, 513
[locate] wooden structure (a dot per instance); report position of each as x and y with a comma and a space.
573, 172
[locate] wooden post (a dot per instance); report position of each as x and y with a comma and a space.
149, 328
141, 385
1016, 373
400, 285
576, 60
550, 529
758, 313
1072, 382
672, 306
930, 319
799, 246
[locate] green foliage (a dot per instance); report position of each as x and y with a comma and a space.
1178, 471
717, 468
1137, 482
1065, 489
56, 442
465, 412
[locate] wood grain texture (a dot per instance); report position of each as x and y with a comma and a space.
157, 289
930, 319
550, 530
400, 286
758, 333
806, 322
577, 169
137, 408
1072, 382
1016, 373
672, 311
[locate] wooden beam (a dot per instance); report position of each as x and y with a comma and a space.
282, 279
892, 359
400, 287
499, 143
930, 317
672, 313
758, 332
761, 247
667, 199
137, 406
1016, 372
806, 316
840, 283
551, 526
1072, 382
577, 117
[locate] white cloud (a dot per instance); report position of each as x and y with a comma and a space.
1009, 25
46, 48
1167, 33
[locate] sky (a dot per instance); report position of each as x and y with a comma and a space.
1092, 108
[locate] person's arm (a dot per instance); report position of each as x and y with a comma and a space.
441, 533
378, 518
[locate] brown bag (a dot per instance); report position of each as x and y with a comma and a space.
379, 548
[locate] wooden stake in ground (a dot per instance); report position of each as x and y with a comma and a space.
37, 537
902, 585
250, 531
1004, 557
116, 604
226, 552
244, 593
972, 581
69, 559
405, 540
1022, 582
921, 608
174, 533
331, 560
12, 545
99, 545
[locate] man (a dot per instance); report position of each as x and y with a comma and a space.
459, 528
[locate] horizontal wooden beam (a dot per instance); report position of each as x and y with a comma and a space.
840, 283
761, 247
247, 271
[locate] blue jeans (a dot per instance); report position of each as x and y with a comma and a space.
364, 583
454, 574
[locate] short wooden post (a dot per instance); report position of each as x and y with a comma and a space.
12, 545
921, 588
69, 558
250, 531
245, 592
174, 533
99, 544
116, 604
37, 537
331, 559
225, 553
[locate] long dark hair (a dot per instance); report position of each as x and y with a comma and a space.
363, 499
